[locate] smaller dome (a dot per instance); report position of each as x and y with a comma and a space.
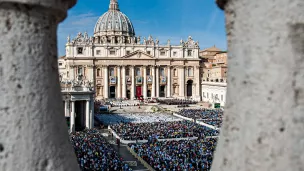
114, 21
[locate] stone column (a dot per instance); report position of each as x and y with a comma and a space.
106, 83
157, 81
182, 82
124, 82
66, 108
118, 82
92, 113
33, 131
72, 117
145, 82
264, 121
153, 83
169, 82
87, 119
133, 83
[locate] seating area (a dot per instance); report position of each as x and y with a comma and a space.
94, 153
212, 117
190, 155
162, 130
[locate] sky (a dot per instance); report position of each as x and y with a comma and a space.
162, 19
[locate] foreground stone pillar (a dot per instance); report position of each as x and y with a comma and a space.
88, 114
33, 131
264, 113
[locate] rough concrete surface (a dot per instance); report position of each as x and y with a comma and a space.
33, 132
264, 114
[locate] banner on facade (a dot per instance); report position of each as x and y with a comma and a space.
163, 80
138, 80
112, 80
149, 79
129, 81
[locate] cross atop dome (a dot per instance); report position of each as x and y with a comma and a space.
114, 5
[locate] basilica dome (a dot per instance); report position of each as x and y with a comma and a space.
114, 22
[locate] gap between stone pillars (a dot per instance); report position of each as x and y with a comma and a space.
33, 130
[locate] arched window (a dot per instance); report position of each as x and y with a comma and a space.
98, 72
175, 72
127, 71
111, 72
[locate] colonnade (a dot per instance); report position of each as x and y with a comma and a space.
123, 79
69, 110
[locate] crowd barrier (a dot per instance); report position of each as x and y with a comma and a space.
197, 121
140, 159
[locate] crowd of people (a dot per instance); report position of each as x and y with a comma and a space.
190, 155
179, 102
94, 153
162, 130
209, 116
110, 119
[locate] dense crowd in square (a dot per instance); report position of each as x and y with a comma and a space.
162, 130
176, 101
110, 119
190, 155
209, 116
94, 153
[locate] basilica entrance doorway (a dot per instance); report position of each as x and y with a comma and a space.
138, 91
128, 94
112, 92
189, 88
162, 91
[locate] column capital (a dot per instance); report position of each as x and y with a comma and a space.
59, 8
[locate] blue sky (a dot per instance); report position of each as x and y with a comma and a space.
163, 19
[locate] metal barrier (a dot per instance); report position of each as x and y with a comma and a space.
140, 159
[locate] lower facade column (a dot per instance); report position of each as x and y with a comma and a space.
87, 118
133, 83
92, 113
157, 81
198, 84
66, 108
106, 83
153, 82
72, 117
124, 82
145, 82
182, 82
169, 82
118, 82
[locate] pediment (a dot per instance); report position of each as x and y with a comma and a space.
138, 55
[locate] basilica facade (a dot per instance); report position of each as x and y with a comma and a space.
119, 64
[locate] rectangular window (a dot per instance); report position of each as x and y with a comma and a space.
112, 52
162, 53
148, 71
189, 52
60, 64
98, 52
149, 52
80, 50
162, 72
80, 71
174, 53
